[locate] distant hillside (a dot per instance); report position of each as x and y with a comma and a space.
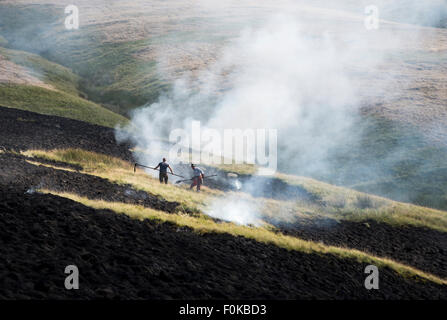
32, 83
126, 54
429, 13
110, 71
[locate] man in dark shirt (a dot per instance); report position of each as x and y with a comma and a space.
164, 166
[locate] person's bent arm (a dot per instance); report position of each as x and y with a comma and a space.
157, 167
170, 169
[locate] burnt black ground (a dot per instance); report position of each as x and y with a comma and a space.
27, 177
23, 130
119, 257
122, 258
423, 248
419, 247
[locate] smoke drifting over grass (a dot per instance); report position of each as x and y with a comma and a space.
285, 75
431, 13
305, 73
234, 209
281, 76
302, 70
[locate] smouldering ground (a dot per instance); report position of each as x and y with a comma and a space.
336, 209
94, 193
333, 202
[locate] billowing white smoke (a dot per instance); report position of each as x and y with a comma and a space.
427, 12
235, 209
296, 78
289, 78
282, 76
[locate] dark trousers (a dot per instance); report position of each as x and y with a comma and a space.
163, 177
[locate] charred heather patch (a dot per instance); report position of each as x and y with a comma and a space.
423, 248
27, 177
23, 130
119, 257
123, 258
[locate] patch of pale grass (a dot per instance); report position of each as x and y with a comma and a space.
50, 166
122, 172
242, 169
88, 160
343, 203
180, 193
336, 202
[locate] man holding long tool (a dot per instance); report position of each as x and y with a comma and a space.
198, 176
164, 166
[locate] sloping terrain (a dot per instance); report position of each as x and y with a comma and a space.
421, 247
122, 258
19, 130
69, 193
161, 253
30, 82
128, 54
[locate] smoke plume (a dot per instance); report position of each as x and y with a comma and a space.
305, 73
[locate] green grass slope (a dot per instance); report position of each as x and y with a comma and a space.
66, 100
393, 160
50, 102
60, 77
109, 72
